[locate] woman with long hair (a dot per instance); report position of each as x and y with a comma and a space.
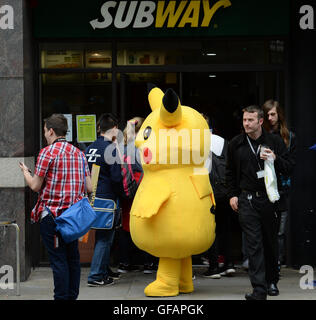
128, 250
275, 122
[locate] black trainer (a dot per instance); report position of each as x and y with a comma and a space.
113, 275
149, 268
255, 296
212, 273
124, 268
227, 270
273, 290
99, 283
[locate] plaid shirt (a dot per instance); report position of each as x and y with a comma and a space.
61, 165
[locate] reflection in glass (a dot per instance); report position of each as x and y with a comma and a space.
211, 51
76, 97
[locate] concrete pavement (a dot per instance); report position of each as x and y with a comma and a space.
131, 286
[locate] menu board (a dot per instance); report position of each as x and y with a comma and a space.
99, 59
60, 59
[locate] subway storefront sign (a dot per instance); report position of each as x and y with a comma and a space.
130, 19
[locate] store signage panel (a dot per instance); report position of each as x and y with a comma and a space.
132, 19
145, 14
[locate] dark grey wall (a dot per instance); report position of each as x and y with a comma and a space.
303, 116
16, 133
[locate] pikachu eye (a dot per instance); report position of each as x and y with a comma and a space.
147, 132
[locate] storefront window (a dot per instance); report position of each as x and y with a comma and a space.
211, 51
83, 55
276, 51
75, 94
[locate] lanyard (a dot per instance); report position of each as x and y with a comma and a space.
255, 153
59, 140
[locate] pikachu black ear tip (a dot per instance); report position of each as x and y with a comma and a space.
150, 86
170, 100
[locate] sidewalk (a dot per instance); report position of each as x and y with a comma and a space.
131, 286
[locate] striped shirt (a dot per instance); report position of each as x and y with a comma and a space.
61, 165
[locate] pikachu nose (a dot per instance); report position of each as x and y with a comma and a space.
147, 155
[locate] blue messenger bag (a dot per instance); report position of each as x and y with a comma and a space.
78, 219
107, 212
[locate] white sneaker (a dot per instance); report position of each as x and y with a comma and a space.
245, 264
213, 274
228, 272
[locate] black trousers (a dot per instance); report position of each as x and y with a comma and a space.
258, 220
129, 253
223, 240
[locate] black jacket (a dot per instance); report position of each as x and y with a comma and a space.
292, 147
283, 163
285, 188
110, 178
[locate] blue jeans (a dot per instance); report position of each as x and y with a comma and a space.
101, 256
64, 260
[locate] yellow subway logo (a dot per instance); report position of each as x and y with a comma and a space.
170, 14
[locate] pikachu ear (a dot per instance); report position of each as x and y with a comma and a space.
155, 96
171, 110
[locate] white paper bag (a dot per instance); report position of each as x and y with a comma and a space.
270, 181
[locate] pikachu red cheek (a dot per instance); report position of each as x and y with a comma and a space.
147, 155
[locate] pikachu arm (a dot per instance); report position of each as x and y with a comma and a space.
151, 195
202, 186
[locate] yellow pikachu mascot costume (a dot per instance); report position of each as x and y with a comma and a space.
170, 216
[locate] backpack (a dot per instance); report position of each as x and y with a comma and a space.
217, 174
130, 179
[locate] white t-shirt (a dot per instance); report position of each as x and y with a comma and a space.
217, 145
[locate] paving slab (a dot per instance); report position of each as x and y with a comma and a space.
130, 286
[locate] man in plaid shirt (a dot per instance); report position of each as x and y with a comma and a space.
59, 180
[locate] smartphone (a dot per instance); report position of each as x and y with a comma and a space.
22, 165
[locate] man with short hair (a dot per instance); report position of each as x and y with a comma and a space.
59, 180
247, 195
109, 187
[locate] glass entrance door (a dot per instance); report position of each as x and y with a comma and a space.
222, 95
133, 93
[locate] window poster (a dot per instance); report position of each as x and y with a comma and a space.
86, 128
69, 131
